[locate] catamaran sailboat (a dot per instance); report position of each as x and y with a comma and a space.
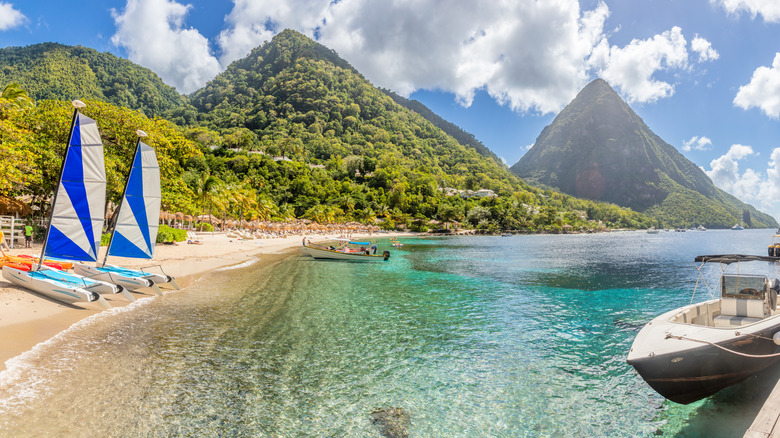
75, 222
135, 232
693, 352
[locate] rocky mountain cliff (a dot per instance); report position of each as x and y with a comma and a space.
599, 148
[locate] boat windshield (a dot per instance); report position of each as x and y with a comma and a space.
744, 286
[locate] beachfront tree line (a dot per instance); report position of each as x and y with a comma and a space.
209, 171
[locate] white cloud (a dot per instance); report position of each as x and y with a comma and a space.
769, 9
755, 187
527, 54
763, 90
697, 144
530, 55
704, 49
153, 33
632, 67
10, 17
725, 169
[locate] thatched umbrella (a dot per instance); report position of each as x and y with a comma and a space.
14, 207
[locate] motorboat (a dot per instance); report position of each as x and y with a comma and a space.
347, 250
737, 227
694, 351
652, 230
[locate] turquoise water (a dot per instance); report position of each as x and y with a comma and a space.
472, 336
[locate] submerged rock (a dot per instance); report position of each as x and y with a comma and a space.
392, 422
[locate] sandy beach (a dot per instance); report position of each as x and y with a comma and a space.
27, 318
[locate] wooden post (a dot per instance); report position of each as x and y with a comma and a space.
13, 235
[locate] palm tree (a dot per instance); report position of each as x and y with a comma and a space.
266, 208
14, 97
207, 192
365, 216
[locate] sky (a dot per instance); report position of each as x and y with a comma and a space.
703, 74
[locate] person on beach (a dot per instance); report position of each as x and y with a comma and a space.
28, 233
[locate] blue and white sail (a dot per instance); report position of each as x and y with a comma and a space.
78, 211
135, 232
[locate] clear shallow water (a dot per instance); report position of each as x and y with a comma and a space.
473, 336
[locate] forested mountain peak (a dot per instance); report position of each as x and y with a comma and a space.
57, 71
599, 148
297, 100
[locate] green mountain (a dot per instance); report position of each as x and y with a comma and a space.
299, 99
291, 130
295, 98
599, 148
56, 71
463, 137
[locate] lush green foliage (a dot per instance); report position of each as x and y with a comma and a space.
55, 71
168, 234
352, 152
293, 131
463, 137
598, 148
37, 136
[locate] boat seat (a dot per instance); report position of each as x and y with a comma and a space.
735, 312
733, 321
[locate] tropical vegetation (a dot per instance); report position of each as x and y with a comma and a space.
291, 131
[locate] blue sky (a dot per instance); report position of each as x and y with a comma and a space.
703, 74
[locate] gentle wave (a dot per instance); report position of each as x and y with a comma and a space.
23, 381
241, 265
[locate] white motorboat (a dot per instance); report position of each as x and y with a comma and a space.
75, 221
351, 251
694, 351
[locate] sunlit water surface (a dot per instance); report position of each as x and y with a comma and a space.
472, 336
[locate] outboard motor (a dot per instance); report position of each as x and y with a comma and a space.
771, 250
386, 254
774, 289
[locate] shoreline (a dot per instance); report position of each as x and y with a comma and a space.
27, 319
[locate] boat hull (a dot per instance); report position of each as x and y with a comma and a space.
328, 254
132, 280
685, 363
67, 292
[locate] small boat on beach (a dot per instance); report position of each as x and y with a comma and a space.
694, 351
135, 232
75, 221
349, 250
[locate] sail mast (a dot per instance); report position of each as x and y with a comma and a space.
140, 134
77, 104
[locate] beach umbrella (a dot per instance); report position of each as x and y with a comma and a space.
12, 207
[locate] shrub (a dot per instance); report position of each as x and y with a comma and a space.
203, 226
168, 234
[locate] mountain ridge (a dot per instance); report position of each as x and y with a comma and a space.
77, 72
598, 148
